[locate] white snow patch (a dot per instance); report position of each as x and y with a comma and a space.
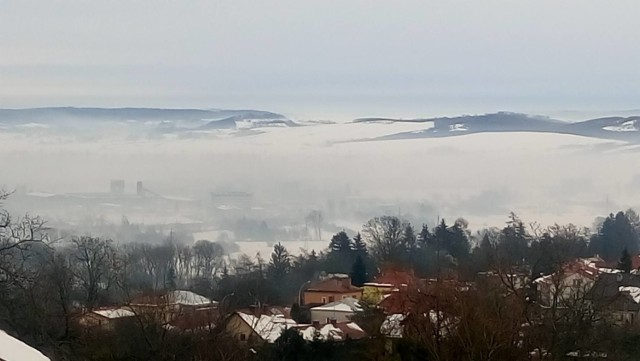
628, 126
33, 125
392, 326
268, 327
634, 292
12, 349
327, 332
458, 127
188, 298
115, 313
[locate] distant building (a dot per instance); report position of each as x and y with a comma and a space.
117, 186
168, 305
570, 283
266, 327
618, 294
391, 280
331, 290
106, 318
198, 320
257, 327
340, 311
231, 201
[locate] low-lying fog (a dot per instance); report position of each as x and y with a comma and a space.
276, 176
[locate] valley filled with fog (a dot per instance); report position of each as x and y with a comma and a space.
258, 177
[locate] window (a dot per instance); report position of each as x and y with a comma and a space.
577, 282
324, 300
331, 299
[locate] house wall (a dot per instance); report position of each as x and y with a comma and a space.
571, 287
93, 320
375, 293
323, 315
318, 297
240, 330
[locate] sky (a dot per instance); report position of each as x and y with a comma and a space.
323, 59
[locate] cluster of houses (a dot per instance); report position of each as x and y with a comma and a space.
600, 284
332, 302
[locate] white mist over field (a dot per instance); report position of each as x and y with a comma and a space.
338, 168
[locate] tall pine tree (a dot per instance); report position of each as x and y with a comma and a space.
359, 272
625, 264
280, 263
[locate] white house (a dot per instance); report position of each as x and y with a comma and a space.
340, 311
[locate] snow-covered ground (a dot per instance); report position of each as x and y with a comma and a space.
12, 349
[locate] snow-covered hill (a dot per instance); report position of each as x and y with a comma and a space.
614, 128
133, 121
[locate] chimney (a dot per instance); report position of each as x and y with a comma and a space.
316, 324
346, 282
333, 321
140, 189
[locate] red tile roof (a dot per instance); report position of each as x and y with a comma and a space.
335, 285
395, 278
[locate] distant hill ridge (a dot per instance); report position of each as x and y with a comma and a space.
124, 114
615, 128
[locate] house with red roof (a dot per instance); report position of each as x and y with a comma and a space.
330, 290
571, 282
389, 281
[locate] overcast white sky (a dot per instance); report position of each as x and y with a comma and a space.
322, 58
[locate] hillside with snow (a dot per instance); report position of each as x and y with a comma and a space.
613, 128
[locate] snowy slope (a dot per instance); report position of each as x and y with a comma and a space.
12, 349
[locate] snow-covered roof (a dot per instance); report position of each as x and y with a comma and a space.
583, 266
268, 327
12, 349
634, 292
392, 325
348, 304
188, 298
114, 313
327, 332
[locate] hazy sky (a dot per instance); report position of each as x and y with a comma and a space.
322, 58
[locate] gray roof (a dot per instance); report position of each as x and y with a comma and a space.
606, 289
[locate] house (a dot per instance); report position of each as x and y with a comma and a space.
570, 283
340, 311
389, 281
257, 328
267, 327
12, 349
106, 318
619, 295
165, 306
200, 320
330, 290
